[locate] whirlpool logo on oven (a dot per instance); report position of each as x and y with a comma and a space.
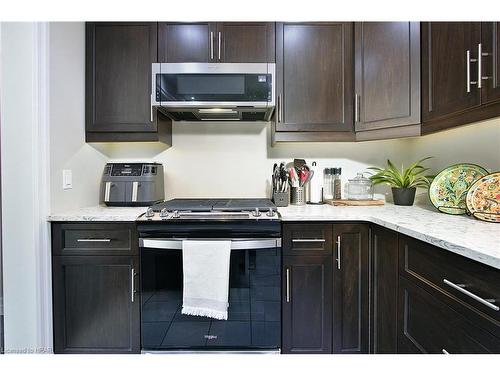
211, 337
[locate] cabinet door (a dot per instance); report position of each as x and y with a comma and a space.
384, 290
447, 89
350, 288
118, 77
245, 42
314, 68
387, 74
490, 39
307, 304
187, 42
95, 307
427, 324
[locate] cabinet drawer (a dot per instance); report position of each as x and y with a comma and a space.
307, 239
428, 325
94, 239
475, 285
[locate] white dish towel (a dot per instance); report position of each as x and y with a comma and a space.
206, 278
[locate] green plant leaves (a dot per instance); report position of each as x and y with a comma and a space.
413, 176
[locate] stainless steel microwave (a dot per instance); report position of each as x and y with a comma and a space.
214, 92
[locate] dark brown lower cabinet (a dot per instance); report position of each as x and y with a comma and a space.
350, 288
427, 324
384, 290
96, 309
307, 304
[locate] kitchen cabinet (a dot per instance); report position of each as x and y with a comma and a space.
314, 63
118, 84
350, 288
96, 309
490, 39
428, 325
387, 79
95, 278
459, 83
213, 42
307, 304
384, 290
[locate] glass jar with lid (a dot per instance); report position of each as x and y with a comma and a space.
360, 188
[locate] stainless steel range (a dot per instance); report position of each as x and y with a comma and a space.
254, 313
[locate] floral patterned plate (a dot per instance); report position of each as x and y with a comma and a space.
483, 198
449, 188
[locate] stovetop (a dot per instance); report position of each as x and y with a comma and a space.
207, 205
213, 209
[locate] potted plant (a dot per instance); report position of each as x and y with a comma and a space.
403, 183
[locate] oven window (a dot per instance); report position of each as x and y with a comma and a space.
254, 313
213, 87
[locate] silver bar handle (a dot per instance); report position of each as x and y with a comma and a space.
288, 285
135, 190
107, 191
93, 240
219, 43
467, 63
339, 253
356, 107
479, 63
308, 240
444, 351
211, 45
461, 289
133, 274
244, 244
279, 109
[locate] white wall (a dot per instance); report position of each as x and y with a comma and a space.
67, 120
18, 193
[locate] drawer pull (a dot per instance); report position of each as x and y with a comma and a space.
444, 351
308, 240
461, 289
94, 240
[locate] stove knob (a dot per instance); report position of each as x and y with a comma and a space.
176, 215
256, 212
163, 213
271, 212
150, 213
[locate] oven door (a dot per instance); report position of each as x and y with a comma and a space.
254, 313
185, 85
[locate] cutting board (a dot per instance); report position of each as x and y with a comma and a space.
347, 202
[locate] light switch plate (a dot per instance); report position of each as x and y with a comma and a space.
67, 179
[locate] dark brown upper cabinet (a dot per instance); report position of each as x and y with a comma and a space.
459, 73
490, 38
246, 42
387, 79
307, 304
350, 288
118, 84
213, 42
186, 42
314, 82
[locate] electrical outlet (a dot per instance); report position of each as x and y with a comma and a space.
67, 179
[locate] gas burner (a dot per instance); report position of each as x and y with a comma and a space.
212, 209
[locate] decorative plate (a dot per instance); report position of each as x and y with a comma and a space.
448, 190
483, 198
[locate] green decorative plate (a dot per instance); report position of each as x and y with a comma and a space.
448, 190
483, 198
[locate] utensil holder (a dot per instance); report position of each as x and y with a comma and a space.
298, 196
281, 198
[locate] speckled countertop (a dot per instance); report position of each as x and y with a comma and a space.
462, 235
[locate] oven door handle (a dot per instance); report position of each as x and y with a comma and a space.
236, 244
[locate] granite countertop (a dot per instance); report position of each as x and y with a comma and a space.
462, 235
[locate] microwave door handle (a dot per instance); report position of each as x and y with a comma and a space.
135, 188
107, 191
